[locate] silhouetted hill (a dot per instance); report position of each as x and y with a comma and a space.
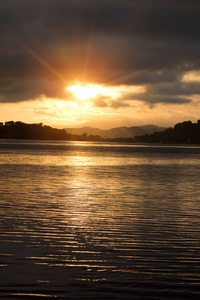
19, 130
186, 132
118, 132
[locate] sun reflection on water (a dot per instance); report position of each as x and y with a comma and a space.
87, 216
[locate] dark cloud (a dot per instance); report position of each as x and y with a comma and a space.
21, 90
45, 44
101, 101
176, 88
151, 97
154, 99
119, 104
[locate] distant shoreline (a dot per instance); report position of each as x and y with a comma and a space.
183, 133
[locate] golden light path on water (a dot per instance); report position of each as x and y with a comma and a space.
106, 221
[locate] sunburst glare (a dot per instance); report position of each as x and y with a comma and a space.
86, 91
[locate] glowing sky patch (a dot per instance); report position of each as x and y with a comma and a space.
192, 76
86, 91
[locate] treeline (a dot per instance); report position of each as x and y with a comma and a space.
186, 132
20, 130
182, 133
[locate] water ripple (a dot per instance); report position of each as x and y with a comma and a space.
97, 221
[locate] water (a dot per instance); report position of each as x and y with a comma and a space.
99, 221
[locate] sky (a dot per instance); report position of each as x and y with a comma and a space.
103, 63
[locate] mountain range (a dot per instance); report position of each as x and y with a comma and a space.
117, 132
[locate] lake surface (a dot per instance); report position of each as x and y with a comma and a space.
84, 220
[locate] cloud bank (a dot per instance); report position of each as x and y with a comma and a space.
47, 44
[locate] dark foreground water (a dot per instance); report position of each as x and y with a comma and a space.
99, 221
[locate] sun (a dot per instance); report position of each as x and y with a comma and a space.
84, 91
89, 91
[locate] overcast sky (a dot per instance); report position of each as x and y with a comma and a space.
150, 49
